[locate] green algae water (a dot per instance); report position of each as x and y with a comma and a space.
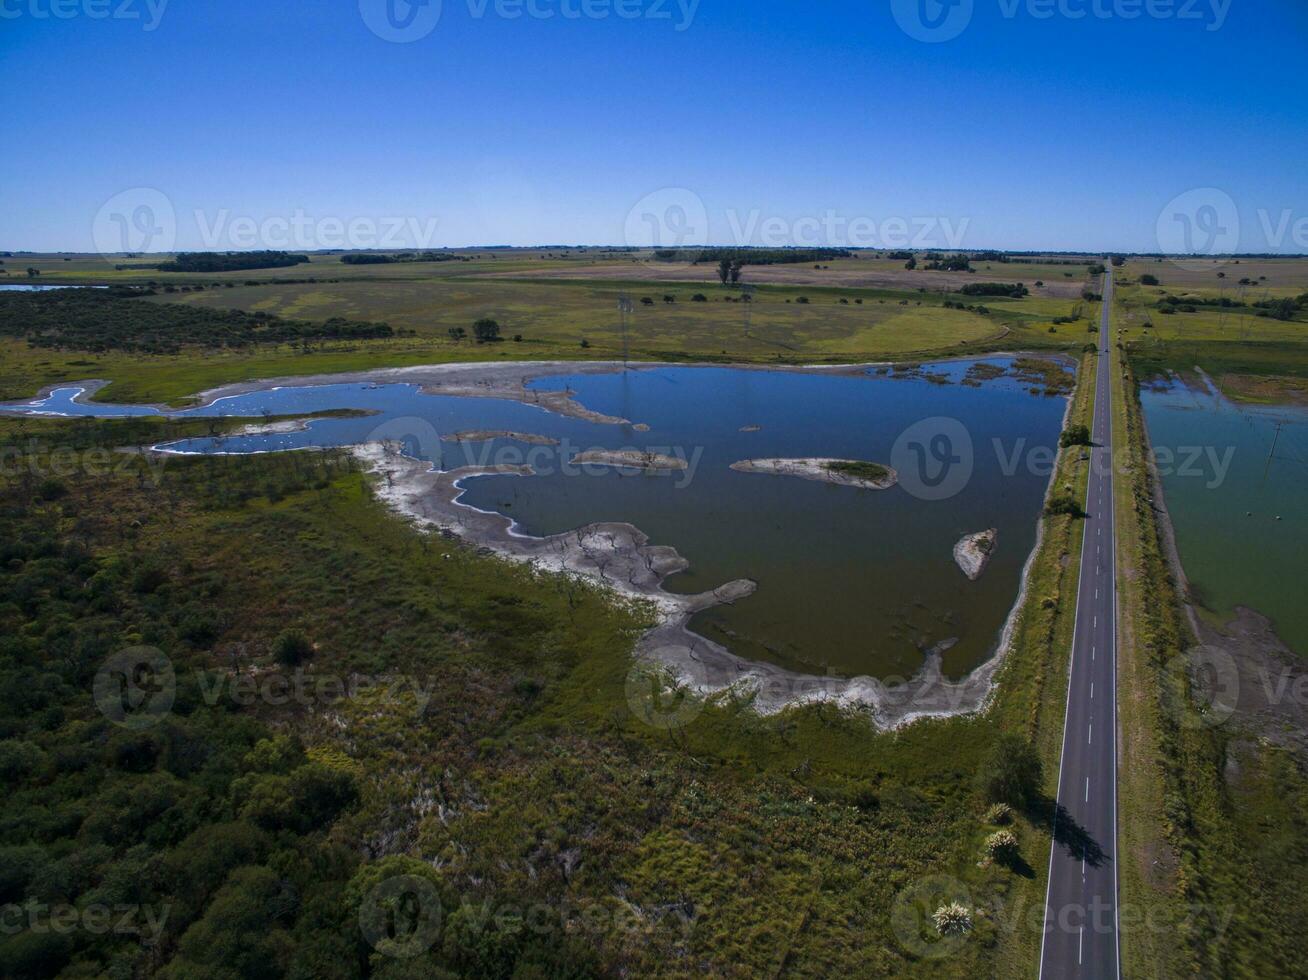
1234, 478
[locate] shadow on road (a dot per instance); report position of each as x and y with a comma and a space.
1067, 832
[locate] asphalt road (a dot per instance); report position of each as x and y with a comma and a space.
1081, 917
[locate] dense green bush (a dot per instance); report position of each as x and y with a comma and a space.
120, 320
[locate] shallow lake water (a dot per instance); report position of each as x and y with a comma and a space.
13, 287
1234, 549
850, 581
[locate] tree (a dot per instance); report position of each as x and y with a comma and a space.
1012, 772
911, 263
486, 330
457, 333
1283, 309
735, 272
1075, 435
1062, 503
291, 648
724, 270
1148, 280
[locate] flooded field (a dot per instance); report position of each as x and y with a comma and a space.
1233, 476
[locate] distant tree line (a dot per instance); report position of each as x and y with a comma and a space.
948, 263
382, 258
1284, 308
116, 319
230, 261
752, 256
1015, 290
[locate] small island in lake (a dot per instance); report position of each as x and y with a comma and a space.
486, 435
842, 472
633, 459
973, 552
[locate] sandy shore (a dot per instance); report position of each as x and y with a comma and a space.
973, 552
816, 468
620, 557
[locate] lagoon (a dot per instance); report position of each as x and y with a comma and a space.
1233, 477
850, 581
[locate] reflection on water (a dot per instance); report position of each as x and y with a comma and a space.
1234, 477
850, 581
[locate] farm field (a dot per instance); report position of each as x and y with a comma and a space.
556, 319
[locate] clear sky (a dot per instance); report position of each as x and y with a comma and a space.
494, 123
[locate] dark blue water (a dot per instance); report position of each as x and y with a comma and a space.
850, 581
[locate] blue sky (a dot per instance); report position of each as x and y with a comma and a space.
772, 122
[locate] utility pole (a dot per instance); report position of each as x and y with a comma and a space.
1275, 438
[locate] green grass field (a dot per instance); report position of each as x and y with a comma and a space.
557, 319
785, 844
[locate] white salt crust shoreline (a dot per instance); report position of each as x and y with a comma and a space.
619, 556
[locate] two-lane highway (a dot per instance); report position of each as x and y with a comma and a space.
1081, 917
